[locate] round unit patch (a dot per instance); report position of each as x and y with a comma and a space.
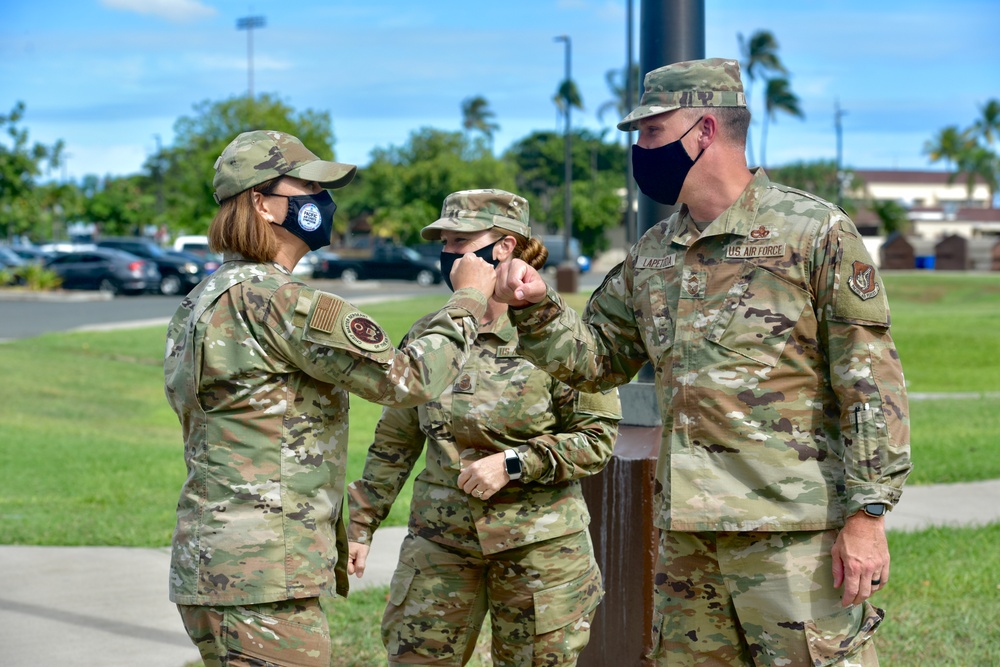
364, 333
309, 217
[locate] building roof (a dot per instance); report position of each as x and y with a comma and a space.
911, 177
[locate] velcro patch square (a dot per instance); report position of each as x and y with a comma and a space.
325, 314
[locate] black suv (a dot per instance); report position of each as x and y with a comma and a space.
177, 274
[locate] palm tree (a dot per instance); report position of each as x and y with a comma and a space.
567, 95
948, 145
476, 116
617, 83
760, 58
979, 162
988, 125
778, 96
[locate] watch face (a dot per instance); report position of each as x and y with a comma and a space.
513, 465
875, 509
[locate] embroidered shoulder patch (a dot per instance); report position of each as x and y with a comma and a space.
325, 314
862, 281
364, 333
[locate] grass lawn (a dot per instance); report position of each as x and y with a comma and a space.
90, 454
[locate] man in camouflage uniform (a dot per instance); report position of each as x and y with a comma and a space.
785, 420
487, 533
258, 368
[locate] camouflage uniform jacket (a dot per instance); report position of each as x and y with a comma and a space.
257, 368
780, 389
499, 401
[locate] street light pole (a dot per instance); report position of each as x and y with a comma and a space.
568, 204
248, 23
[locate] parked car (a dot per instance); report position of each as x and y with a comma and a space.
30, 254
105, 269
10, 259
383, 262
177, 274
209, 261
196, 244
556, 245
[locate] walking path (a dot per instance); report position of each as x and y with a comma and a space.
108, 607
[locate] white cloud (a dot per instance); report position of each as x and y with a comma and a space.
172, 10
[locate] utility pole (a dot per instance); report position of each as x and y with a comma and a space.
566, 274
631, 224
248, 23
839, 113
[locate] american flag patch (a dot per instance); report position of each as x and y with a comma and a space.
325, 314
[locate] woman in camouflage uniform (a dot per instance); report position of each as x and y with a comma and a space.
258, 367
498, 522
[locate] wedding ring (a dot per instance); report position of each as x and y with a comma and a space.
477, 493
876, 582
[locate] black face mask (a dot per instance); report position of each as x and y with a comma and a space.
310, 217
448, 260
660, 172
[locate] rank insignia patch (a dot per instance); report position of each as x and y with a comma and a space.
760, 233
364, 333
862, 281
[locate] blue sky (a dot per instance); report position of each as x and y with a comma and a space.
110, 77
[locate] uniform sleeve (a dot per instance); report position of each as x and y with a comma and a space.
586, 438
391, 457
864, 367
334, 342
601, 350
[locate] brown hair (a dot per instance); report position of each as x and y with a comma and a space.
238, 228
734, 122
530, 251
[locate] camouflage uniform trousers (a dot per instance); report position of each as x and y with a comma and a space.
541, 599
290, 632
756, 599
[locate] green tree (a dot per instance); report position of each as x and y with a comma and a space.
778, 96
892, 216
187, 167
818, 177
948, 144
402, 188
477, 117
567, 96
760, 61
119, 206
988, 124
597, 168
618, 85
969, 153
21, 163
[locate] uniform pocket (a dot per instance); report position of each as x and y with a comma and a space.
842, 635
564, 603
653, 315
758, 316
400, 584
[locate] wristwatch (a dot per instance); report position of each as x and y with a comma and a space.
874, 509
512, 461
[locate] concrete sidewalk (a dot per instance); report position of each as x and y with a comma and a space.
108, 606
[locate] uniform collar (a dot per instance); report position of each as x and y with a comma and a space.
738, 219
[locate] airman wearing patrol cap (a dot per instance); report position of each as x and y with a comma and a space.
258, 367
497, 519
785, 418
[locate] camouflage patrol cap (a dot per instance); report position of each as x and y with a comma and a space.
476, 210
260, 155
714, 82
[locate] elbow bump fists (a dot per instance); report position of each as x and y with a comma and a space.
472, 271
519, 284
